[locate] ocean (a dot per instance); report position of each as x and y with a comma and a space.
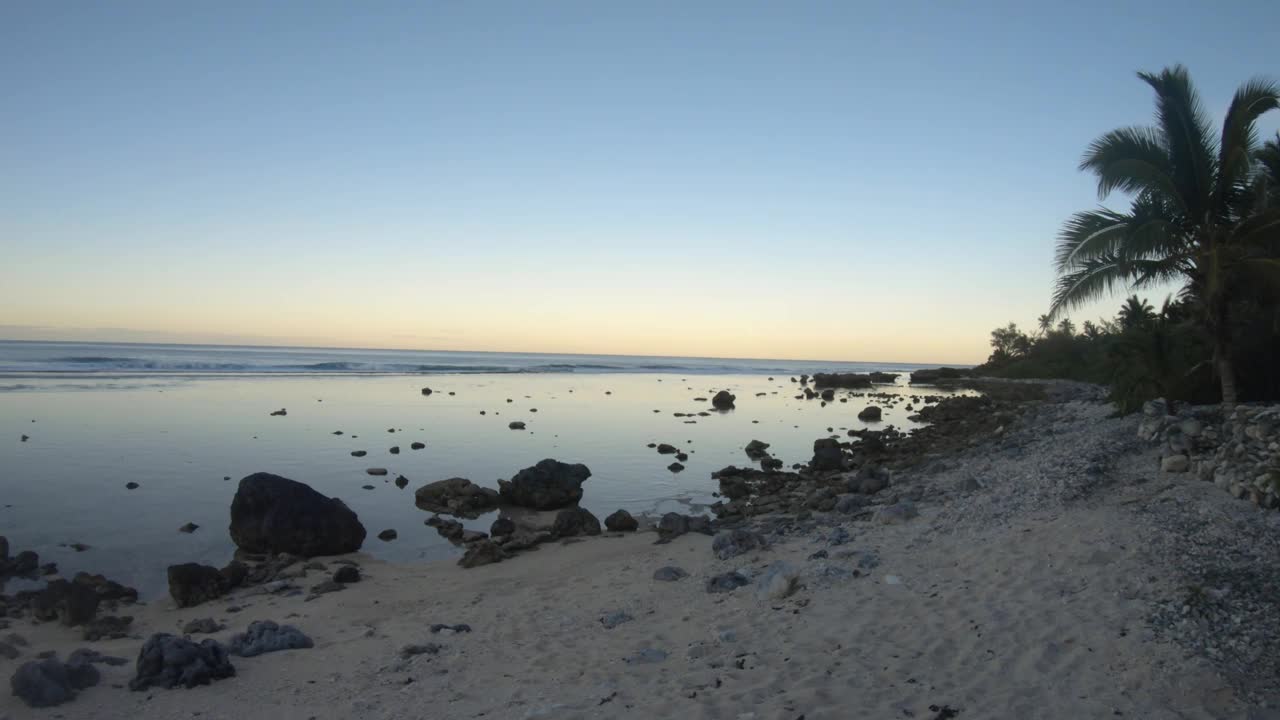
187, 422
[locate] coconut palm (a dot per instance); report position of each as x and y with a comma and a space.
1198, 213
1046, 323
1135, 312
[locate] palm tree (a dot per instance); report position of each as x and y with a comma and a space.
1198, 212
1066, 327
1046, 324
1090, 331
1135, 312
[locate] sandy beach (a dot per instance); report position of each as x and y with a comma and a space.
1026, 587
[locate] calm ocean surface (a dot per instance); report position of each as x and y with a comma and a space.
179, 419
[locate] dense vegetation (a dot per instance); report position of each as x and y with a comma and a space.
1204, 214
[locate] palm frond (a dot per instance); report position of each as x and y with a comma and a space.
1133, 160
1239, 137
1094, 278
1186, 136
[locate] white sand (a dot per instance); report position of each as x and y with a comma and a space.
1037, 615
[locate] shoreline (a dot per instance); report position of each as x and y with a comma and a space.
1025, 587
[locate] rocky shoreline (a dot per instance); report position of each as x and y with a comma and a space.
1111, 540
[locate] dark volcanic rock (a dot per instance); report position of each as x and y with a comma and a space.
50, 682
456, 496
673, 525
575, 521
347, 574
841, 380
480, 553
271, 514
757, 450
726, 582
732, 543
675, 467
936, 374
107, 627
388, 535
202, 626
189, 528
71, 603
827, 455
667, 449
723, 400
621, 521
264, 636
417, 446
192, 583
548, 485
502, 527
167, 661
871, 413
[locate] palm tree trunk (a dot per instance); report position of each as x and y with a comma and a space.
1226, 375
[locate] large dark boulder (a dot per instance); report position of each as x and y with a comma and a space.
167, 661
723, 400
50, 682
70, 603
571, 522
549, 485
827, 455
456, 496
192, 583
841, 380
271, 514
621, 521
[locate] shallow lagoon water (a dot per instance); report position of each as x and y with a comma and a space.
179, 437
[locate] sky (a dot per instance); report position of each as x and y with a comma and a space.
834, 180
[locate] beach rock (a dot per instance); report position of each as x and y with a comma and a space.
757, 450
107, 627
842, 380
503, 527
189, 528
426, 391
409, 651
359, 453
723, 400
325, 587
871, 413
667, 449
614, 619
869, 480
235, 573
669, 573
484, 552
827, 455
675, 467
395, 450
850, 503
192, 583
621, 521
347, 574
456, 496
379, 472
280, 413
1175, 464
549, 485
388, 535
778, 582
732, 543
202, 626
167, 661
131, 485
272, 514
673, 525
70, 603
401, 481
897, 513
265, 636
727, 582
417, 446
50, 682
515, 425
571, 522
827, 395
442, 627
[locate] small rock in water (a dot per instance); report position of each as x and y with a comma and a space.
359, 453
401, 481
26, 438
669, 573
131, 485
395, 450
417, 446
376, 471
388, 535
614, 619
189, 528
280, 412
675, 467
517, 425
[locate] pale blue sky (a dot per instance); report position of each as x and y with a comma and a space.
861, 181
